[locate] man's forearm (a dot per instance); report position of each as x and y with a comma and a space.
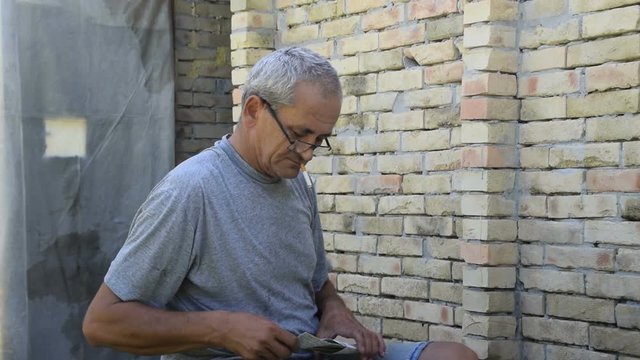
328, 297
141, 329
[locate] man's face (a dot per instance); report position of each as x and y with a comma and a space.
310, 119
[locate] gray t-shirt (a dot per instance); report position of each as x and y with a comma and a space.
215, 234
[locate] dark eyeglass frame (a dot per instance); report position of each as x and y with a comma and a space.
295, 145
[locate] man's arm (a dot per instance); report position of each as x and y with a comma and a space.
337, 319
141, 329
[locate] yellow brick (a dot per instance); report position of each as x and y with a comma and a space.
358, 43
401, 121
478, 132
490, 10
382, 18
359, 85
551, 131
534, 157
247, 57
582, 6
378, 102
433, 53
401, 204
349, 105
250, 39
346, 66
537, 9
610, 102
489, 35
584, 155
425, 184
444, 73
356, 6
566, 32
443, 160
379, 225
426, 140
400, 80
543, 59
355, 204
244, 5
489, 326
544, 108
354, 164
486, 205
252, 19
378, 143
320, 164
324, 49
401, 36
485, 181
489, 277
552, 182
380, 60
441, 117
631, 153
296, 16
613, 128
280, 4
601, 51
357, 122
491, 59
608, 76
322, 11
444, 28
611, 22
579, 206
346, 26
400, 164
554, 83
429, 98
300, 34
239, 75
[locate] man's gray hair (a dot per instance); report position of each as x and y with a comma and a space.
275, 76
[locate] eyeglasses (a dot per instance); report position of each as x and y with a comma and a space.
297, 145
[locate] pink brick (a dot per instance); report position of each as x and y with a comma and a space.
560, 82
489, 84
402, 36
420, 9
610, 76
489, 156
380, 184
487, 108
236, 95
382, 18
613, 180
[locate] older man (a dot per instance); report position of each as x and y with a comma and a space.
225, 258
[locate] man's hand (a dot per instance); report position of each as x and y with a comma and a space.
337, 319
255, 337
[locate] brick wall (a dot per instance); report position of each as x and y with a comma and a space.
203, 74
578, 221
483, 183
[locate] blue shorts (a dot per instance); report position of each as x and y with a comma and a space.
395, 351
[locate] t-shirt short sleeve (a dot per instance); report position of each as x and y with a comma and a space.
157, 254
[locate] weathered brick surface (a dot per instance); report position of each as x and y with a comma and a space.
484, 164
568, 332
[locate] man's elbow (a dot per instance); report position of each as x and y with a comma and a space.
92, 331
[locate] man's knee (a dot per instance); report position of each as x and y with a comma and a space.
439, 350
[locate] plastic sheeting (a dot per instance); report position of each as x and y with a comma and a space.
86, 130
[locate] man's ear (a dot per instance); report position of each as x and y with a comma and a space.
252, 107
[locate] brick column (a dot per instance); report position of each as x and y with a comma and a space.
489, 117
253, 29
203, 74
